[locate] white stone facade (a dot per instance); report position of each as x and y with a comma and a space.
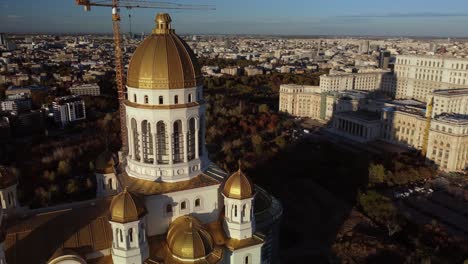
9, 197
166, 131
418, 75
130, 245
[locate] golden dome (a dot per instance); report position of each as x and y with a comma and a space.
163, 60
187, 239
238, 186
105, 162
127, 207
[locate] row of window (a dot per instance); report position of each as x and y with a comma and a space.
184, 206
161, 99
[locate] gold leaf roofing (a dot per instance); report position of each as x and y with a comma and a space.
163, 60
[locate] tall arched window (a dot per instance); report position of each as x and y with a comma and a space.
183, 205
197, 202
189, 98
235, 210
136, 142
177, 142
109, 183
176, 99
134, 98
147, 141
146, 99
163, 157
169, 208
243, 210
130, 234
191, 139
121, 235
161, 100
201, 136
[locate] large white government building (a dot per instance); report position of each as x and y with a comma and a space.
165, 202
352, 114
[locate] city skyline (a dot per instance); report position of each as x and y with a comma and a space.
418, 18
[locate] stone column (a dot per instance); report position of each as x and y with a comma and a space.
197, 154
155, 147
185, 141
171, 139
141, 142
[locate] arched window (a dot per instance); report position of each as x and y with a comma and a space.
146, 99
136, 142
243, 210
183, 205
121, 235
176, 99
189, 98
134, 98
197, 202
247, 259
191, 139
130, 234
169, 208
177, 142
163, 157
235, 210
161, 100
109, 183
147, 141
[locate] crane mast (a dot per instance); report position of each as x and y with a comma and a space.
119, 78
427, 128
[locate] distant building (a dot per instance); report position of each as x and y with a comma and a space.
29, 123
69, 109
382, 81
15, 106
450, 101
231, 70
25, 90
361, 126
364, 47
86, 89
384, 59
417, 76
252, 71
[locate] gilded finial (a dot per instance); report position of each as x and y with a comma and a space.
163, 24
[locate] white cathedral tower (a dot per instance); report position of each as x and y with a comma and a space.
165, 109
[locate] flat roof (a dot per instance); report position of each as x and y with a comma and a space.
361, 115
451, 92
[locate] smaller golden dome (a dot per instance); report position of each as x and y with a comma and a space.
127, 207
187, 239
105, 162
238, 186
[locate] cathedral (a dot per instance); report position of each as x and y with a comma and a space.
163, 201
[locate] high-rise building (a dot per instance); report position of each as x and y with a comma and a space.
384, 59
69, 109
364, 46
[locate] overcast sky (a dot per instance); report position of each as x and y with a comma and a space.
301, 17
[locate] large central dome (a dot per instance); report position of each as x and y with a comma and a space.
163, 60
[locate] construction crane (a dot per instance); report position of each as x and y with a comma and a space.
427, 128
119, 74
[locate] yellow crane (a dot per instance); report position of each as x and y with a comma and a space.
428, 127
119, 74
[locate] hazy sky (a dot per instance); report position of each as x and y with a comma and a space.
307, 17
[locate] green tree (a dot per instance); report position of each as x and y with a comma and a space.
72, 187
376, 174
63, 167
263, 108
280, 142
